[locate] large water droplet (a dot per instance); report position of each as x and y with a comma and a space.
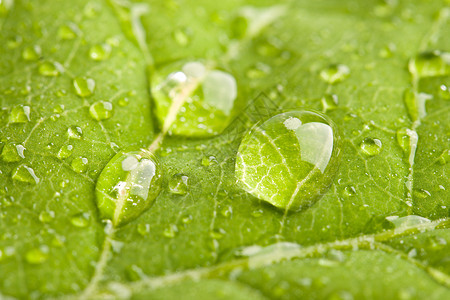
20, 114
289, 160
100, 52
79, 164
12, 152
25, 174
128, 185
178, 184
48, 69
101, 110
370, 146
84, 87
203, 98
335, 73
428, 64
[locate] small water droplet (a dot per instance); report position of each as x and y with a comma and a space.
128, 185
101, 110
171, 231
31, 53
209, 160
335, 73
20, 114
100, 52
421, 193
444, 158
46, 216
259, 70
329, 102
84, 87
123, 101
80, 220
37, 255
14, 42
415, 104
289, 160
65, 151
143, 229
25, 174
178, 184
79, 164
187, 219
74, 132
12, 152
217, 234
48, 69
429, 64
181, 37
444, 91
370, 146
68, 31
349, 191
227, 211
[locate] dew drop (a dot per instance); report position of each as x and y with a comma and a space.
209, 160
415, 104
101, 110
84, 87
123, 101
65, 151
37, 255
128, 185
421, 193
407, 221
12, 152
79, 164
48, 69
171, 231
80, 220
178, 184
25, 174
181, 37
100, 52
74, 132
20, 114
14, 42
444, 158
329, 102
143, 229
444, 91
290, 160
217, 234
430, 64
205, 96
46, 216
227, 211
349, 191
68, 31
31, 53
335, 73
370, 146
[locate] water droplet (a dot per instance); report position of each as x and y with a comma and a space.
25, 174
257, 71
74, 132
79, 164
46, 216
335, 73
290, 160
408, 221
444, 91
181, 37
187, 219
68, 31
257, 213
80, 220
65, 151
48, 69
143, 229
428, 64
227, 211
349, 191
415, 104
31, 53
37, 255
101, 110
421, 193
171, 231
14, 42
12, 152
178, 184
329, 102
20, 114
370, 146
100, 52
84, 87
206, 98
128, 185
123, 101
444, 157
209, 160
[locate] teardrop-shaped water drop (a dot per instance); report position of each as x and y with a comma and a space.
48, 69
199, 99
101, 110
12, 152
25, 174
335, 73
290, 160
370, 146
128, 185
84, 87
20, 114
178, 184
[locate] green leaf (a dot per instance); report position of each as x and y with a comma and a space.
75, 80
